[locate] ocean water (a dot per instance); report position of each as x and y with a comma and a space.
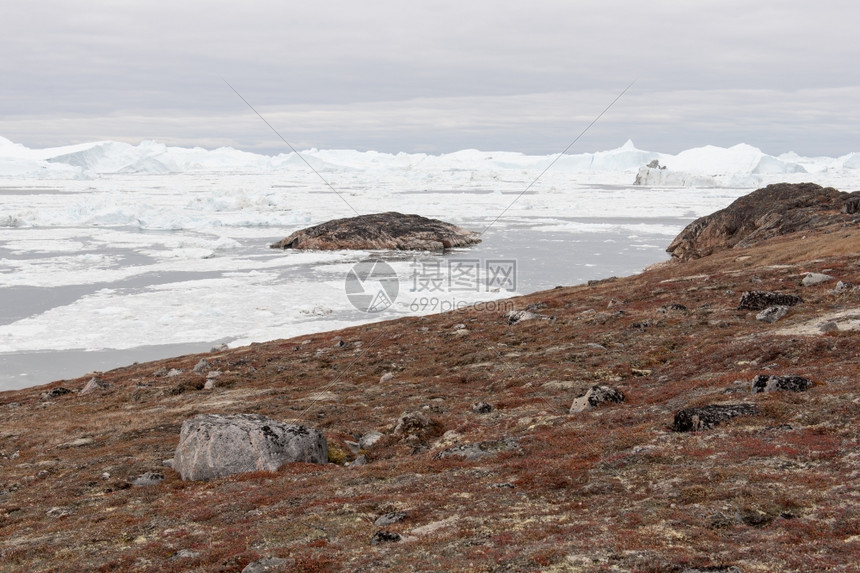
295, 299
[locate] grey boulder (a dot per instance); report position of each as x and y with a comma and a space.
213, 445
772, 314
812, 279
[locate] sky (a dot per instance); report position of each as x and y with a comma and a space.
434, 76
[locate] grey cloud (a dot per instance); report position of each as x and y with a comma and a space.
433, 76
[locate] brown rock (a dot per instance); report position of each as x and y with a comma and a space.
386, 231
775, 210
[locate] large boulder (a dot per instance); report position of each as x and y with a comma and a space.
381, 231
777, 209
213, 445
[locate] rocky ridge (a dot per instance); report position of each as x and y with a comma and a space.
777, 209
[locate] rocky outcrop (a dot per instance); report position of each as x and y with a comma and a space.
381, 231
774, 210
212, 445
706, 417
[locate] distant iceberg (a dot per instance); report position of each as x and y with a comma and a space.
739, 165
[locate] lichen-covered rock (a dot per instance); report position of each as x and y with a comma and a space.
596, 396
212, 445
381, 231
482, 408
760, 300
705, 417
412, 423
768, 383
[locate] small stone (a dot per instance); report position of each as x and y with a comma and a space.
842, 286
828, 326
718, 569
354, 447
209, 384
766, 383
772, 313
173, 372
386, 377
148, 479
201, 366
161, 372
472, 452
94, 384
517, 316
812, 279
58, 512
186, 554
55, 392
390, 518
369, 439
80, 442
359, 461
596, 396
760, 300
167, 463
267, 565
482, 408
383, 536
412, 423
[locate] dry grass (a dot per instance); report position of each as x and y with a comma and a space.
608, 490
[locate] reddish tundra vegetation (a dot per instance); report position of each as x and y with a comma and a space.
480, 465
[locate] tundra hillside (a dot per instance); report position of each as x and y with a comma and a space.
478, 463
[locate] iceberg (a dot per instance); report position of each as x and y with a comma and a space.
739, 165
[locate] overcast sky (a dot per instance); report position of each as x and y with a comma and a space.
434, 76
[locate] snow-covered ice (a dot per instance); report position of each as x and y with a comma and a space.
111, 246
